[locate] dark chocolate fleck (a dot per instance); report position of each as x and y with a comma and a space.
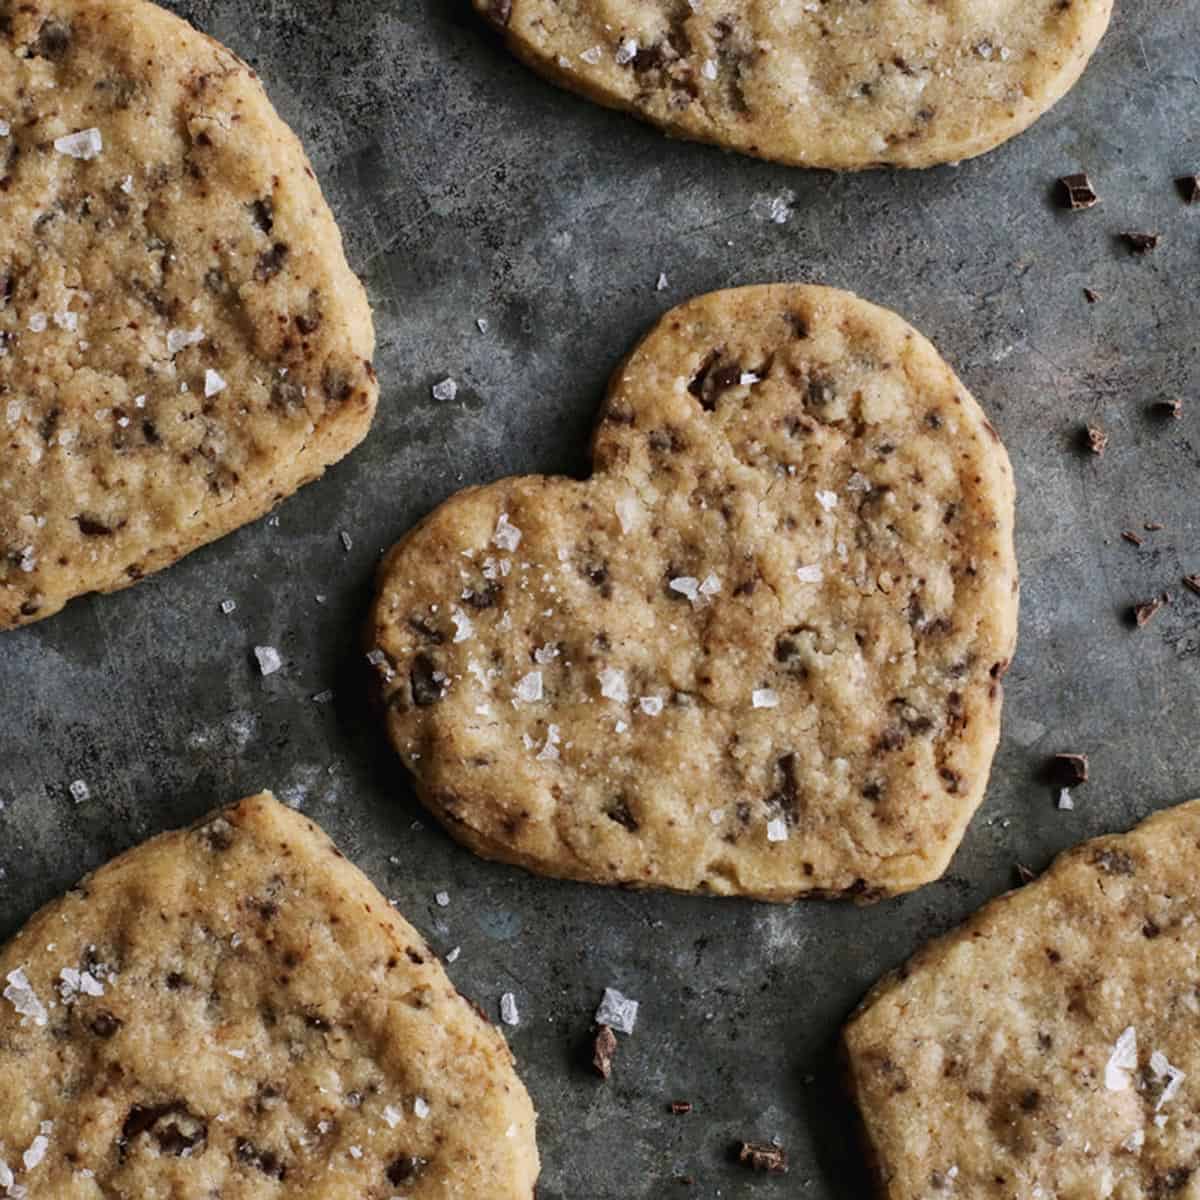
1070, 770
1076, 192
1140, 243
681, 1108
270, 262
1090, 295
1168, 408
426, 690
266, 1161
405, 1168
1189, 188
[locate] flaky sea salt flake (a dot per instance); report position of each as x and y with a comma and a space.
626, 52
392, 1115
529, 688
421, 1108
764, 698
777, 829
617, 1011
613, 685
181, 339
1064, 800
685, 585
23, 998
827, 500
812, 573
651, 705
213, 383
463, 625
1122, 1061
85, 144
507, 535
268, 658
447, 389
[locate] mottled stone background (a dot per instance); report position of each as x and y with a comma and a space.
467, 188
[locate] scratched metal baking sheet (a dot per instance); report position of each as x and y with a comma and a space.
469, 189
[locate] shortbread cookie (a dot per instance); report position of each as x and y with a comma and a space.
758, 652
182, 343
1048, 1047
818, 83
233, 1010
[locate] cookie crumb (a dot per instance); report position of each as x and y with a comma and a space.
1076, 192
604, 1050
617, 1011
1130, 536
1024, 874
268, 659
762, 1156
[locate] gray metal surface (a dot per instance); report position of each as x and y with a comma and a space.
467, 188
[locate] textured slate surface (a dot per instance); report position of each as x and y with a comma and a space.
467, 188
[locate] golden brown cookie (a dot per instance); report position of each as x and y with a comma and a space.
233, 1010
757, 653
182, 343
1047, 1048
844, 84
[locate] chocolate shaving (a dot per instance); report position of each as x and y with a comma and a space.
1145, 612
762, 1156
1189, 188
1095, 440
1192, 583
1130, 536
1140, 243
1076, 192
604, 1050
681, 1108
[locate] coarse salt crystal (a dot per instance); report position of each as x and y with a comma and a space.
827, 500
65, 319
23, 998
213, 383
481, 323
127, 185
442, 899
629, 513
421, 1108
507, 535
711, 585
36, 1152
858, 482
529, 687
617, 1011
393, 1115
545, 654
549, 752
508, 1009
764, 698
1064, 800
662, 283
749, 378
1122, 1061
463, 627
686, 585
5, 130
6, 1175
811, 573
356, 1152
1135, 1141
592, 55
80, 791
268, 659
181, 339
1164, 1070
613, 685
346, 540
716, 816
651, 705
626, 52
85, 144
37, 322
227, 606
452, 955
777, 830
446, 390
620, 727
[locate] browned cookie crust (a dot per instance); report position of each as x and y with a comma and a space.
1047, 1048
758, 652
234, 1011
182, 343
820, 83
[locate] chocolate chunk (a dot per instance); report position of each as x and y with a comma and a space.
681, 1108
270, 262
1192, 583
1076, 192
1095, 440
499, 13
426, 689
1140, 243
1189, 188
1070, 770
1090, 296
619, 812
1130, 536
104, 1024
1145, 612
53, 40
1168, 408
262, 213
405, 1168
173, 1126
604, 1050
762, 1156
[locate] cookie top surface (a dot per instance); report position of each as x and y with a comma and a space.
181, 340
1047, 1047
819, 83
757, 653
234, 1010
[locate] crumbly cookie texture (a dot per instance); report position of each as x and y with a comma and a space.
758, 652
844, 84
233, 1010
1047, 1048
182, 343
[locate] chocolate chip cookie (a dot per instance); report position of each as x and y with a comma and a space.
233, 1010
844, 84
1047, 1047
182, 343
759, 652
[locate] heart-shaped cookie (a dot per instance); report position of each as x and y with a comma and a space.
758, 652
233, 1010
831, 83
182, 343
